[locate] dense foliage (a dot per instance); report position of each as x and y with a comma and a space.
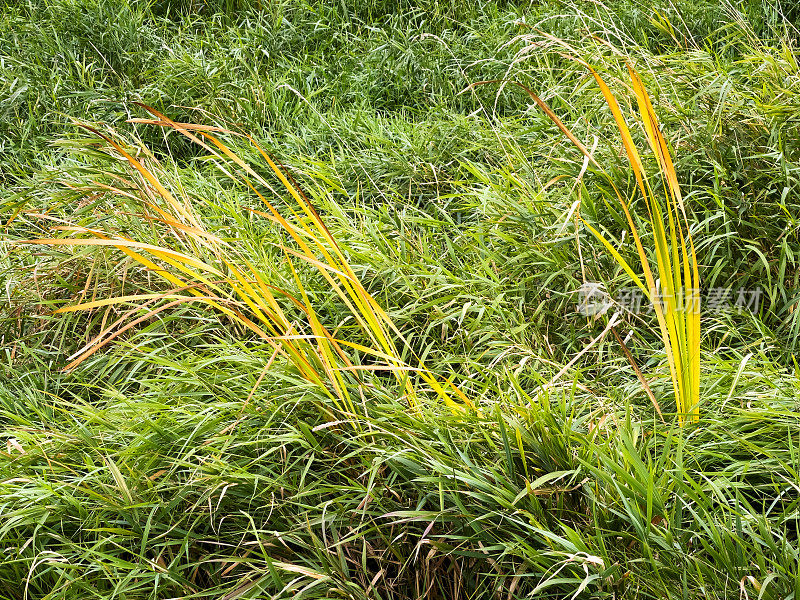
192, 457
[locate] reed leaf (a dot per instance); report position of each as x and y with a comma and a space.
210, 271
671, 279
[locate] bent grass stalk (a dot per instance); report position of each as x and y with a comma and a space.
227, 282
677, 299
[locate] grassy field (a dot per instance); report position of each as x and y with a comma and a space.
359, 372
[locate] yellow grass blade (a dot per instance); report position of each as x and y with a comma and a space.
209, 271
676, 302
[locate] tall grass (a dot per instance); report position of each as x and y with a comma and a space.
670, 269
672, 282
208, 270
194, 449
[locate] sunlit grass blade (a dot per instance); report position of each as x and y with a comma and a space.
212, 272
675, 294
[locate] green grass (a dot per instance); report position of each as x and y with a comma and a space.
185, 459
